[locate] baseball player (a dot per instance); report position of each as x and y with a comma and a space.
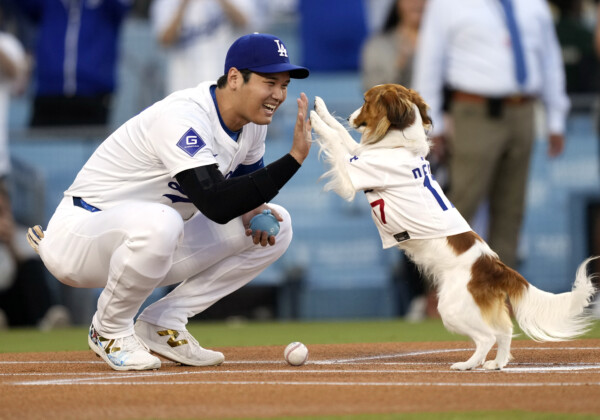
167, 199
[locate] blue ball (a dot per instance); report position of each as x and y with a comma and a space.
266, 222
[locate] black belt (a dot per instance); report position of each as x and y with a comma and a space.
495, 106
509, 100
78, 201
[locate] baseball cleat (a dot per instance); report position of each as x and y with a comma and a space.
34, 237
177, 345
124, 353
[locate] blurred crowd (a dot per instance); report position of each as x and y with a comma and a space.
64, 56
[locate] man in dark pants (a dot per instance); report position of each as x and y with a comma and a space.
498, 65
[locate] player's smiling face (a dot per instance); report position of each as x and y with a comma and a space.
262, 95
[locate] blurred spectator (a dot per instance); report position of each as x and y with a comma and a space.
75, 59
576, 39
331, 33
387, 57
197, 34
25, 299
496, 69
13, 77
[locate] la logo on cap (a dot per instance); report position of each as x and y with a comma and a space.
281, 48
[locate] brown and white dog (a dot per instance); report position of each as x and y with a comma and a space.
473, 285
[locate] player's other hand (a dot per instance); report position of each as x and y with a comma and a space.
302, 131
260, 237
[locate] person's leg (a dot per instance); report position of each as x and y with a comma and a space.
128, 250
508, 190
476, 145
213, 261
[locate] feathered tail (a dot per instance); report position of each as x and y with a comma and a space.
546, 316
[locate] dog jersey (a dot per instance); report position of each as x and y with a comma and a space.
141, 158
407, 203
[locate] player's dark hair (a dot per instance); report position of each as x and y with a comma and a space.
222, 81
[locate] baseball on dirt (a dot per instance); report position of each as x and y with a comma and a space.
296, 354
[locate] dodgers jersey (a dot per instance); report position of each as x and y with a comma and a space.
140, 159
407, 203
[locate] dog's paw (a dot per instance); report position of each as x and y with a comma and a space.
320, 105
462, 366
323, 112
319, 125
492, 365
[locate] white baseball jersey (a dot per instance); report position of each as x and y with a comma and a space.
407, 203
205, 35
141, 158
14, 51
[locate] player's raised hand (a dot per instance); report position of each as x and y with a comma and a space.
302, 131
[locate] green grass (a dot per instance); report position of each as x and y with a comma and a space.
472, 415
229, 334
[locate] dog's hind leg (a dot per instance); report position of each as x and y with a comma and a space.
483, 344
503, 355
466, 319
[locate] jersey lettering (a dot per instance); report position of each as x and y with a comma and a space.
177, 198
423, 172
381, 205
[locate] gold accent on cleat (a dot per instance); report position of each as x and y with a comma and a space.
172, 337
109, 348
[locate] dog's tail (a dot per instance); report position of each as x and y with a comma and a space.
546, 316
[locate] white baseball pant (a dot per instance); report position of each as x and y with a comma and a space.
133, 248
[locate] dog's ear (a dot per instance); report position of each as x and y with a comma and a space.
398, 103
422, 105
394, 109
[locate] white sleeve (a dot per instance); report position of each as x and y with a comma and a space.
182, 142
554, 94
429, 61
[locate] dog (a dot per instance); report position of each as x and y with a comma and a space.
411, 212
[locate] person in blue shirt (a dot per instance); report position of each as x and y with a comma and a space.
76, 57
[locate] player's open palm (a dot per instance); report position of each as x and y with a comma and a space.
302, 131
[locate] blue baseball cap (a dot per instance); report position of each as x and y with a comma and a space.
262, 53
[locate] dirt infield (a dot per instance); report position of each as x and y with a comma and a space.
338, 379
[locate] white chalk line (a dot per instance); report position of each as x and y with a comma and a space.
116, 378
428, 352
319, 383
325, 362
295, 371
